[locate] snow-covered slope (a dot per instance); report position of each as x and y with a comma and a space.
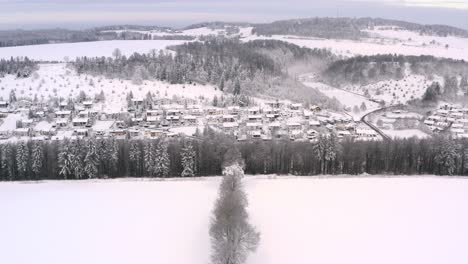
194, 32
55, 80
397, 91
302, 221
348, 99
58, 52
384, 42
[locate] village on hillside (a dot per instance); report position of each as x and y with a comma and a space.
166, 117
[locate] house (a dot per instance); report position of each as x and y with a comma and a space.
295, 107
4, 105
22, 132
233, 110
255, 118
153, 133
173, 119
120, 133
312, 134
63, 114
27, 122
230, 127
82, 132
294, 126
254, 111
137, 120
274, 127
256, 134
196, 112
314, 123
190, 120
44, 128
154, 116
366, 133
315, 108
295, 135
61, 123
134, 133
83, 114
253, 126
228, 119
63, 105
274, 104
137, 103
343, 134
88, 104
80, 122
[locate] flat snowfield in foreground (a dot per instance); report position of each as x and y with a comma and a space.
302, 221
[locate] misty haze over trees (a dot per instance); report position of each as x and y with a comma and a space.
256, 67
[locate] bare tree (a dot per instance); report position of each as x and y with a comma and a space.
232, 236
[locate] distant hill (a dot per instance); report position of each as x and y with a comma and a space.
348, 28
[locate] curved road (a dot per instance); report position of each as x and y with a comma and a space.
375, 128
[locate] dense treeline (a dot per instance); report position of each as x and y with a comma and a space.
369, 69
9, 38
103, 158
21, 67
339, 28
348, 28
260, 66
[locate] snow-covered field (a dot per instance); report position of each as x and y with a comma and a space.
384, 42
195, 32
58, 52
302, 220
55, 80
346, 98
405, 133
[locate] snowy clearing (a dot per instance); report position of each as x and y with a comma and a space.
56, 80
302, 220
405, 133
57, 52
384, 42
346, 98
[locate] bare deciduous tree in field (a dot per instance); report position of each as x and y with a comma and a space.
232, 236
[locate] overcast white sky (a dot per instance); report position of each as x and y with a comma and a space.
87, 13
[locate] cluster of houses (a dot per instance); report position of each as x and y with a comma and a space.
449, 118
169, 118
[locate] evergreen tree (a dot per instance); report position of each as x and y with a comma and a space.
22, 159
6, 162
91, 160
363, 107
65, 160
237, 87
37, 159
188, 160
135, 158
77, 158
464, 84
447, 156
162, 162
149, 157
221, 84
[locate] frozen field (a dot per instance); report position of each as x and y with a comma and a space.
56, 80
400, 42
57, 52
302, 221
